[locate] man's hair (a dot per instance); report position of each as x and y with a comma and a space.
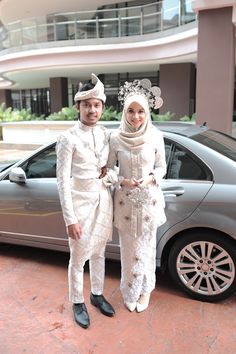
87, 86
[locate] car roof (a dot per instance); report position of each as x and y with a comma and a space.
181, 128
187, 129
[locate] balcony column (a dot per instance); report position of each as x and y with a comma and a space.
58, 93
5, 97
215, 69
177, 84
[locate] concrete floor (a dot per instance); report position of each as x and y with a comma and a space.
14, 152
36, 317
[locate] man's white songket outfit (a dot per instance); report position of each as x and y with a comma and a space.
81, 153
139, 211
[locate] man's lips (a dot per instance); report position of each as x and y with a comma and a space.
91, 116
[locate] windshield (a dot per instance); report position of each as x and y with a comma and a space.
222, 143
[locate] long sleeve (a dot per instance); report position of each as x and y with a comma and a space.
113, 171
160, 159
112, 157
64, 149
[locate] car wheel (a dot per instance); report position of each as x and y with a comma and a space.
204, 265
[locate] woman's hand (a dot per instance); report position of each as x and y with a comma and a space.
145, 181
130, 182
74, 231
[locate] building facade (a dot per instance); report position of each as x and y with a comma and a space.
186, 47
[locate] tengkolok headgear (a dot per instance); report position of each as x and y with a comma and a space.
96, 92
141, 87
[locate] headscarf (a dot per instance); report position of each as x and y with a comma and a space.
96, 92
127, 134
148, 96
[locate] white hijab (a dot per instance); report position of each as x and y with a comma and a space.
130, 137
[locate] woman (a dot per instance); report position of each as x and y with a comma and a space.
138, 147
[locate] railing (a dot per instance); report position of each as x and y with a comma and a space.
105, 23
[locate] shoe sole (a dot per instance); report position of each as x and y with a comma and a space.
82, 325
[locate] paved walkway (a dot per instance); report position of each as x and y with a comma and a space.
36, 317
13, 152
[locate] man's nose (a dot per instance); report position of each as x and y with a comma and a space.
92, 109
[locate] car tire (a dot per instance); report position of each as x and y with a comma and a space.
203, 264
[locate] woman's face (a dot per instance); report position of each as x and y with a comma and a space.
136, 115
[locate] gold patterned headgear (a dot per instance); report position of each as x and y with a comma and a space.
141, 87
96, 92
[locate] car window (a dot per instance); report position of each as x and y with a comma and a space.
182, 164
43, 165
220, 142
168, 147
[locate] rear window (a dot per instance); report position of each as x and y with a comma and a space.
222, 143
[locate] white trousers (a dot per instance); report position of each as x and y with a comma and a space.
93, 207
138, 265
78, 256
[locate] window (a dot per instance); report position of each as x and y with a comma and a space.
43, 165
182, 164
37, 100
220, 142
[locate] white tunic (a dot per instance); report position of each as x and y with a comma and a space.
81, 152
140, 209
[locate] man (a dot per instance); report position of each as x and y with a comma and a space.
86, 202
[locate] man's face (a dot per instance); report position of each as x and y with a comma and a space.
90, 111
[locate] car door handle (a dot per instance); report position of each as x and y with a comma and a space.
173, 192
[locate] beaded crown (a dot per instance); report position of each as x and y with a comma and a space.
141, 87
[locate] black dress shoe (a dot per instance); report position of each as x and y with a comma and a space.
101, 303
81, 315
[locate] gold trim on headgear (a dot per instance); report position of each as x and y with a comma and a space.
141, 87
96, 92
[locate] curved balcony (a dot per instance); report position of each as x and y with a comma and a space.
95, 27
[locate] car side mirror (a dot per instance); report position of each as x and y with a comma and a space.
17, 175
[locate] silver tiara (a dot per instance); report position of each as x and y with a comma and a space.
141, 87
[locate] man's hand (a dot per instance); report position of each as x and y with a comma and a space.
74, 231
103, 172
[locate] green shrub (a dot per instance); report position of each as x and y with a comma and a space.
15, 115
162, 117
110, 114
188, 119
66, 113
70, 113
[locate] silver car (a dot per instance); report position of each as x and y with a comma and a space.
197, 244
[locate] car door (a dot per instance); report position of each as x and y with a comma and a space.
187, 182
31, 210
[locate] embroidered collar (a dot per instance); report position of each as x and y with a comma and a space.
85, 127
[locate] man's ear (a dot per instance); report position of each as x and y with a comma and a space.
76, 105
